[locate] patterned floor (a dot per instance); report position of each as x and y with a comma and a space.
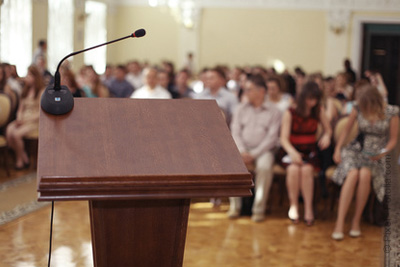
392, 228
18, 197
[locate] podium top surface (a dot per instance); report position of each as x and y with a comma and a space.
109, 148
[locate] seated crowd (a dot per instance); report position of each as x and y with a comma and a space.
285, 119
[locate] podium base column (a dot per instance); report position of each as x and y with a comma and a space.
139, 232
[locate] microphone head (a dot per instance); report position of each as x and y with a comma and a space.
139, 33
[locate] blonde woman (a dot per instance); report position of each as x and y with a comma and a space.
27, 116
363, 159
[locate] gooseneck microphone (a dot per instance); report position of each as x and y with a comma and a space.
57, 99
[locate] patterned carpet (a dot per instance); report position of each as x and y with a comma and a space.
392, 228
18, 198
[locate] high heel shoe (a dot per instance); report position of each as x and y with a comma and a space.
354, 233
17, 168
337, 236
309, 222
293, 214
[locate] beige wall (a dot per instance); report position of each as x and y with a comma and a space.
250, 36
227, 36
160, 42
232, 36
39, 22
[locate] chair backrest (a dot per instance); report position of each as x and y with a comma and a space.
339, 127
5, 109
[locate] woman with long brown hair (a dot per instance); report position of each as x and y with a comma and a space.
299, 141
363, 159
68, 79
94, 86
27, 120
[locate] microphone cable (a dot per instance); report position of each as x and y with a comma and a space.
51, 232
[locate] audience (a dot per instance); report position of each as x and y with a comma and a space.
68, 79
163, 79
332, 107
299, 140
189, 65
255, 129
135, 75
234, 83
342, 86
41, 64
276, 95
351, 74
300, 80
376, 80
363, 159
151, 88
348, 105
181, 87
119, 86
92, 85
273, 109
201, 83
108, 75
27, 120
40, 51
169, 68
13, 80
215, 89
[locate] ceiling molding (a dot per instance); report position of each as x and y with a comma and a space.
354, 5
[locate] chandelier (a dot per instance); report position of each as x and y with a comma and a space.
185, 12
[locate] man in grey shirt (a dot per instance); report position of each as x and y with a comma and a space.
255, 129
215, 89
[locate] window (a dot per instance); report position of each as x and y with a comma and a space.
16, 34
60, 32
95, 34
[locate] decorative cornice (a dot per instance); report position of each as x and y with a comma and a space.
354, 5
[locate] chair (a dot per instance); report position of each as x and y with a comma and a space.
278, 176
5, 111
31, 146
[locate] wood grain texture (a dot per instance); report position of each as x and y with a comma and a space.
148, 233
212, 240
139, 149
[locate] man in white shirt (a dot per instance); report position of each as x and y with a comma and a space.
151, 89
255, 129
134, 75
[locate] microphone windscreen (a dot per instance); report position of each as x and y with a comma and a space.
139, 33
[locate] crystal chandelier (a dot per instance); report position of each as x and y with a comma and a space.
185, 12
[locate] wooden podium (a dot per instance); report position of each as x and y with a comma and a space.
138, 163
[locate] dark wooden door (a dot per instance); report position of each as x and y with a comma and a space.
381, 52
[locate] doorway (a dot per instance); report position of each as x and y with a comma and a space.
381, 52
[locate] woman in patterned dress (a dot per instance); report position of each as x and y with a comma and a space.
363, 159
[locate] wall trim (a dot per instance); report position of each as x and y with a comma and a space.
354, 5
